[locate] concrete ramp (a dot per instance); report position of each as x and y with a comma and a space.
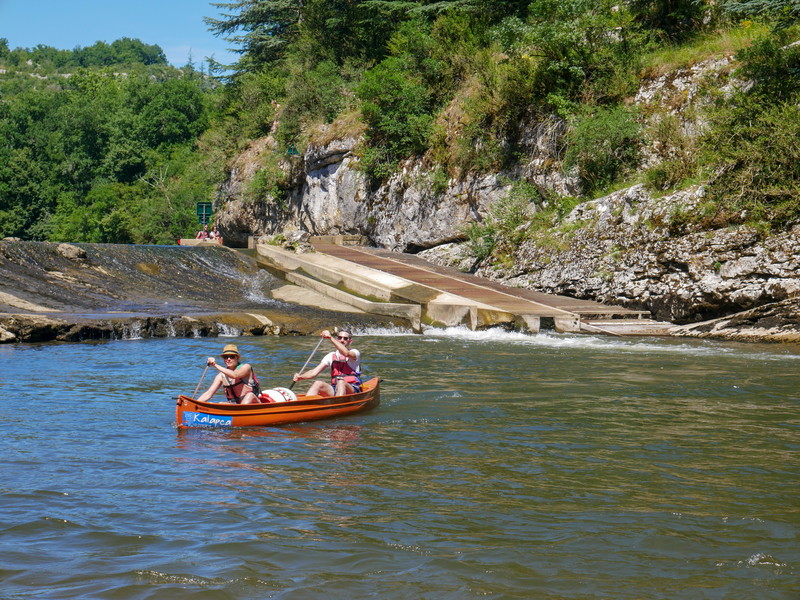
379, 292
390, 283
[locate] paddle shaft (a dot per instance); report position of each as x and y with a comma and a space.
199, 382
309, 359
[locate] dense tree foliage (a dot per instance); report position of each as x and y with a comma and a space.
124, 51
109, 143
267, 31
783, 13
90, 156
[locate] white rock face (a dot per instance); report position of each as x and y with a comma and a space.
331, 196
632, 250
333, 192
406, 214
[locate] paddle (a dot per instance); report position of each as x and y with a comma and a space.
309, 360
199, 382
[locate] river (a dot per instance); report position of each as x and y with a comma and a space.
497, 466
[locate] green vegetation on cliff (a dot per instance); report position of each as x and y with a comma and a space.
109, 144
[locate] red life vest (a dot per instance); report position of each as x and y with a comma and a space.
340, 369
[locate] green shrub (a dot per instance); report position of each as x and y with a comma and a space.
580, 49
269, 184
758, 163
753, 140
782, 13
505, 225
481, 239
675, 19
377, 163
774, 67
604, 144
479, 130
396, 108
439, 181
246, 107
313, 94
562, 206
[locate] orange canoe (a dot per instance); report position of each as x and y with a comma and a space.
193, 413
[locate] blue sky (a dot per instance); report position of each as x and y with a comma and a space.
175, 25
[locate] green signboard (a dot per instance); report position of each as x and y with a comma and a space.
203, 212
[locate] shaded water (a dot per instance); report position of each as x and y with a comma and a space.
498, 466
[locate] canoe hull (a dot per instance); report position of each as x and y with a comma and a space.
193, 413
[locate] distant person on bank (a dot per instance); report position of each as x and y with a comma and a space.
202, 234
215, 235
238, 381
344, 363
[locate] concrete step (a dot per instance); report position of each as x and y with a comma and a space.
378, 282
343, 279
339, 240
627, 327
410, 312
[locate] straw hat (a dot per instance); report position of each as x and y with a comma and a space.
230, 349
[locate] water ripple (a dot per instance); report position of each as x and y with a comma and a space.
498, 466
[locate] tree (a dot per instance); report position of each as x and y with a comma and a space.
48, 56
173, 112
491, 10
262, 28
127, 50
4, 50
73, 155
102, 217
396, 105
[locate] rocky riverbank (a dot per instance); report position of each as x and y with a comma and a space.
633, 247
635, 250
77, 292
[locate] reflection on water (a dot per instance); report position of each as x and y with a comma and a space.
498, 465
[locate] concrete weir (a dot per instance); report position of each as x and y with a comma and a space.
396, 284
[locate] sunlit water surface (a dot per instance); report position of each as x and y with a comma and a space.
497, 466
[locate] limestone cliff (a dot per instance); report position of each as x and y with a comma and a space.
630, 247
634, 250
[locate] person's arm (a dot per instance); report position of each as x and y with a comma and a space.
312, 373
242, 371
342, 348
211, 390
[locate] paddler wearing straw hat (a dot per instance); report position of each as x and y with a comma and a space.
238, 381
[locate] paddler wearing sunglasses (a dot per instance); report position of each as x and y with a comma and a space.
344, 363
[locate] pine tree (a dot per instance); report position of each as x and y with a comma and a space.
262, 29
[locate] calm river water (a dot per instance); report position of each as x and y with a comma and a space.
497, 466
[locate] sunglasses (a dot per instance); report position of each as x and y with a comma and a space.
227, 356
344, 338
